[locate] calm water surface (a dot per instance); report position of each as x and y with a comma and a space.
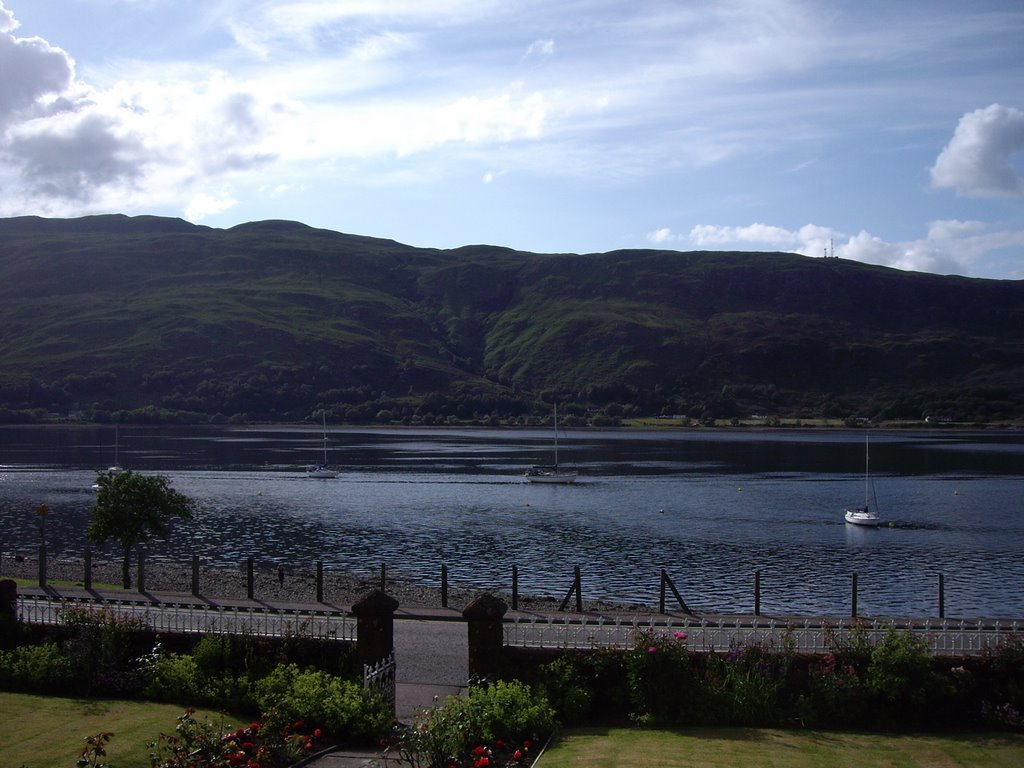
711, 508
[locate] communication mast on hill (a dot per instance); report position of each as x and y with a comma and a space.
830, 252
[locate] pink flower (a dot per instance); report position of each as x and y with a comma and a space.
652, 649
681, 635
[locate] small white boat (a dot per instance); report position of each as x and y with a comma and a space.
115, 468
552, 473
864, 515
322, 471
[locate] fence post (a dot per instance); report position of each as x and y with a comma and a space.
574, 588
757, 593
141, 586
87, 576
486, 641
853, 611
444, 585
42, 565
319, 581
515, 587
249, 577
661, 592
383, 577
942, 596
195, 575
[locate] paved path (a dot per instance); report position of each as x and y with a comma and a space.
432, 663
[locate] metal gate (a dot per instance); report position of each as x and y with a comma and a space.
380, 677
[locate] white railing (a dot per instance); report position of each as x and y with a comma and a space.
381, 677
187, 618
945, 637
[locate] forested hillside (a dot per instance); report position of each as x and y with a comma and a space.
151, 319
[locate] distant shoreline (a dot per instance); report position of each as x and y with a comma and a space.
650, 423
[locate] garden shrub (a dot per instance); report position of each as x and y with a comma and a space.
902, 680
747, 686
834, 694
261, 744
499, 717
567, 690
212, 655
102, 648
999, 684
342, 708
41, 668
662, 680
586, 686
173, 678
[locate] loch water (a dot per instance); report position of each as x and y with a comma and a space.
711, 507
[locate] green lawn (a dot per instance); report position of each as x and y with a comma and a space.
770, 748
49, 732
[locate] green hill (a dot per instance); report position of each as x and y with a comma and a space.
154, 319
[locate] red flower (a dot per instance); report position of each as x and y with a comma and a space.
309, 745
517, 755
479, 750
482, 762
254, 727
527, 744
317, 733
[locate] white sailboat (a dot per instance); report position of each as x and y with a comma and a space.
864, 515
552, 473
115, 468
322, 471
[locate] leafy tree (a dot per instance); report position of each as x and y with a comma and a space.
133, 509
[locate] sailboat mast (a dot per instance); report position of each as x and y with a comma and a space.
556, 435
324, 415
867, 471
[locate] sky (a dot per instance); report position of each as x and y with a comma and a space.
886, 132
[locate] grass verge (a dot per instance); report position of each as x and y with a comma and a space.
62, 583
771, 748
49, 732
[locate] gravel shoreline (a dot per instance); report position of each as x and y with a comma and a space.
340, 588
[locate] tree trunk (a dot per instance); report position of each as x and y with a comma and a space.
126, 569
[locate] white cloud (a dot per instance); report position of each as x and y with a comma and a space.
7, 21
203, 205
977, 162
662, 236
32, 71
950, 246
540, 48
474, 120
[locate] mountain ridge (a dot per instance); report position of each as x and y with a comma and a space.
151, 318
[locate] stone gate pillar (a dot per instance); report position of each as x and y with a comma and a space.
8, 613
8, 599
375, 626
484, 624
